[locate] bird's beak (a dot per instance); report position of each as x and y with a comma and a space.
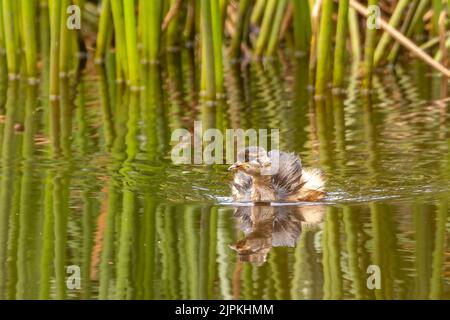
235, 166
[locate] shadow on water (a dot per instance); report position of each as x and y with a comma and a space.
100, 198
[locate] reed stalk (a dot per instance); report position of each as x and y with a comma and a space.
286, 23
104, 28
44, 36
235, 48
275, 32
302, 26
208, 60
341, 41
189, 27
264, 34
10, 13
258, 11
324, 47
64, 41
405, 29
355, 37
437, 7
171, 22
443, 41
120, 38
29, 28
438, 55
131, 42
432, 42
315, 19
394, 22
55, 32
217, 32
154, 10
197, 15
2, 32
143, 38
369, 51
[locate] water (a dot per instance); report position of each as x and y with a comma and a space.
112, 209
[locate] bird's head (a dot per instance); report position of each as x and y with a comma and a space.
253, 161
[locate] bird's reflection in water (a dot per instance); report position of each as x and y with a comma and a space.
268, 226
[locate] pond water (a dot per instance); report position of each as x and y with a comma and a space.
106, 203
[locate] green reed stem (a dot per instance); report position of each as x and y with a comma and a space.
189, 27
11, 43
341, 41
103, 31
131, 42
217, 30
265, 27
236, 41
355, 37
302, 26
324, 47
66, 118
29, 28
437, 7
208, 60
275, 32
173, 32
64, 41
2, 31
394, 22
369, 52
141, 29
258, 11
422, 7
154, 10
107, 112
120, 38
55, 32
404, 27
44, 35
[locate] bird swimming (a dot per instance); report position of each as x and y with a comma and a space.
274, 176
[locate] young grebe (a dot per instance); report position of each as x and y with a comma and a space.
274, 176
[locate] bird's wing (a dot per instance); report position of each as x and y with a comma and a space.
287, 177
241, 187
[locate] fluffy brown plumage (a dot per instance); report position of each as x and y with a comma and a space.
274, 176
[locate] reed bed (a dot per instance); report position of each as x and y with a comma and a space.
138, 32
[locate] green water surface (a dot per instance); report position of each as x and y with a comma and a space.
105, 197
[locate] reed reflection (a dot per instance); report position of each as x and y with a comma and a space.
141, 228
